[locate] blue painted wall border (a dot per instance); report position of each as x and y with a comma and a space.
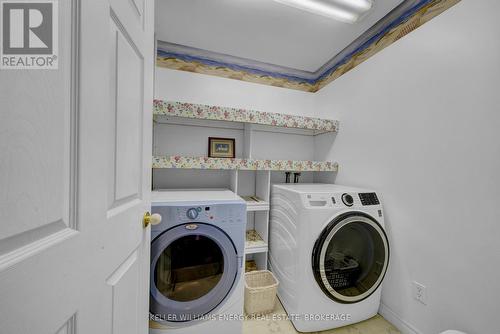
235, 67
403, 18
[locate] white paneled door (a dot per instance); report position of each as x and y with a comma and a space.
75, 177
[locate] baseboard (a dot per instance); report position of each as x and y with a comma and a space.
396, 320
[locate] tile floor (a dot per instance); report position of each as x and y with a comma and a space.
375, 325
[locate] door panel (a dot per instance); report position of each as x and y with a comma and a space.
139, 7
129, 141
127, 65
130, 13
129, 120
75, 177
69, 327
124, 282
38, 164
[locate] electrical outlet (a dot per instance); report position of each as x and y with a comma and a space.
419, 292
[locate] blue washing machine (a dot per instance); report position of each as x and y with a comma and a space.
197, 255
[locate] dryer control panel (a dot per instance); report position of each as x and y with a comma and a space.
348, 199
369, 199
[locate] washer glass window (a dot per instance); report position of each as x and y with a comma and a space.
189, 268
194, 269
350, 257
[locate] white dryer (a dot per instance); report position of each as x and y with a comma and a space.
329, 250
197, 253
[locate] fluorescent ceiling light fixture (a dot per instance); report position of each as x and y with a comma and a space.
343, 10
361, 5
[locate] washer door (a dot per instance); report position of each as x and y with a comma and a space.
193, 269
350, 257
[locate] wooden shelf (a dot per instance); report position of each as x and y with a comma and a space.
183, 129
176, 161
254, 243
255, 204
217, 113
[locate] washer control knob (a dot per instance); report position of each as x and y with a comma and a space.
192, 213
347, 199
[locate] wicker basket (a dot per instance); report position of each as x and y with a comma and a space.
260, 292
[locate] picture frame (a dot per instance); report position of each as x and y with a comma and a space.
221, 147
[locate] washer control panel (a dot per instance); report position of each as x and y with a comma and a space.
212, 214
224, 215
196, 213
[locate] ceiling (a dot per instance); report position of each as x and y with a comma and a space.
261, 30
266, 42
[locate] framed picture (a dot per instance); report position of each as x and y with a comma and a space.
221, 147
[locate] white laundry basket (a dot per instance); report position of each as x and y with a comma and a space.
260, 292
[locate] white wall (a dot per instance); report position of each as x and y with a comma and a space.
205, 89
420, 122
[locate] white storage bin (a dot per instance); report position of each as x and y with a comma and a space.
260, 292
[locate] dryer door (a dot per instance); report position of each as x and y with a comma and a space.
193, 269
350, 257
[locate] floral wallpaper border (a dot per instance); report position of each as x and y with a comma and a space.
201, 111
372, 41
177, 161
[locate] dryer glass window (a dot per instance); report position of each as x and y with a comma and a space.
189, 268
350, 258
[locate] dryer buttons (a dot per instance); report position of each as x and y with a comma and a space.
369, 199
